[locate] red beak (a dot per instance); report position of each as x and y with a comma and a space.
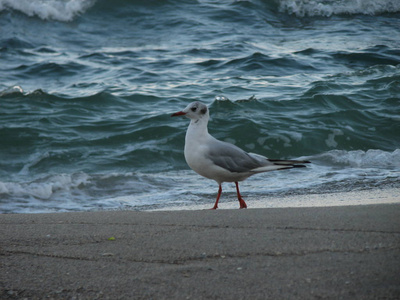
179, 113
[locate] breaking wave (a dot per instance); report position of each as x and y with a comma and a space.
327, 8
58, 10
141, 191
68, 10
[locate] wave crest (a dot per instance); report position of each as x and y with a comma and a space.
327, 8
58, 10
373, 158
44, 188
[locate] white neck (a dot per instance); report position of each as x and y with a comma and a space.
197, 130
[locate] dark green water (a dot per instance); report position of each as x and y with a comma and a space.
87, 90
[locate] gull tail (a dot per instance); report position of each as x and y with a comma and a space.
278, 164
289, 163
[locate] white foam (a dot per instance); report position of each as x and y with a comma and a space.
330, 141
221, 98
59, 10
33, 160
296, 136
14, 90
373, 158
327, 8
332, 171
44, 188
368, 197
250, 146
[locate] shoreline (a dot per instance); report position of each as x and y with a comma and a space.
297, 198
351, 198
346, 252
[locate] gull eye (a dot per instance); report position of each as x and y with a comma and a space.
194, 108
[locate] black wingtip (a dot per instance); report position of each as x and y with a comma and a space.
299, 166
289, 162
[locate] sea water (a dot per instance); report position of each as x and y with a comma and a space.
87, 89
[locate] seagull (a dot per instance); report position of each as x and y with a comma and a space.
222, 161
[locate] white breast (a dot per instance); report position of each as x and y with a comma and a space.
197, 145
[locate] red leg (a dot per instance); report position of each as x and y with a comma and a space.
241, 201
219, 195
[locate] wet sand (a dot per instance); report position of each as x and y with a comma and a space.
342, 252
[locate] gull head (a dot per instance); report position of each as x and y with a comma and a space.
195, 111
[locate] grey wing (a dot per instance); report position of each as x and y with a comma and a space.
234, 159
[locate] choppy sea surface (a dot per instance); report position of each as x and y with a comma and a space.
87, 89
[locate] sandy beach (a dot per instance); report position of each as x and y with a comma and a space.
338, 252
